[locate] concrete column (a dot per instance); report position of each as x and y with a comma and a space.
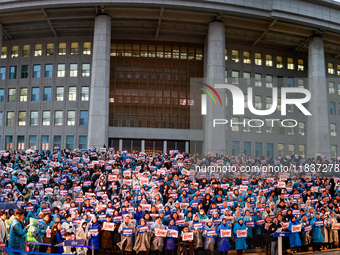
186, 146
165, 146
142, 145
215, 137
100, 83
318, 126
120, 144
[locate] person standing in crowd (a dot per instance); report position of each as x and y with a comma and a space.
56, 238
266, 233
143, 239
93, 232
316, 232
126, 243
106, 238
170, 242
187, 245
240, 242
273, 240
3, 228
223, 242
82, 233
33, 235
42, 230
294, 238
157, 242
17, 235
333, 232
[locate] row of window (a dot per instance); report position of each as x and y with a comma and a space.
45, 142
46, 118
290, 63
258, 80
48, 72
47, 94
270, 149
49, 50
269, 126
258, 59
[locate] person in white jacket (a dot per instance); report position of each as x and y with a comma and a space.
3, 228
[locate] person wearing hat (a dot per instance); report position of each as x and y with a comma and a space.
33, 235
240, 242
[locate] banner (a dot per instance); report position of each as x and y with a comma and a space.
143, 229
172, 233
127, 232
241, 233
160, 232
210, 233
189, 236
296, 228
225, 233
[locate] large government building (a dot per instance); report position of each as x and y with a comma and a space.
82, 73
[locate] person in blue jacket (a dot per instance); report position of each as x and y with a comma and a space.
170, 242
294, 238
94, 229
17, 234
223, 242
209, 241
240, 242
316, 233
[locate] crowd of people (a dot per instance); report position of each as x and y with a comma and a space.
133, 203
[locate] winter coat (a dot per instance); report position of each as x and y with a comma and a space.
94, 238
305, 237
223, 243
157, 242
333, 233
316, 232
126, 243
294, 238
170, 243
82, 234
209, 242
106, 239
240, 242
142, 242
198, 239
17, 237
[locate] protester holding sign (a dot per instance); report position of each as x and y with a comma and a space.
333, 231
317, 225
106, 237
240, 238
170, 242
209, 233
188, 244
223, 238
157, 242
93, 232
126, 243
294, 238
305, 236
143, 238
82, 233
